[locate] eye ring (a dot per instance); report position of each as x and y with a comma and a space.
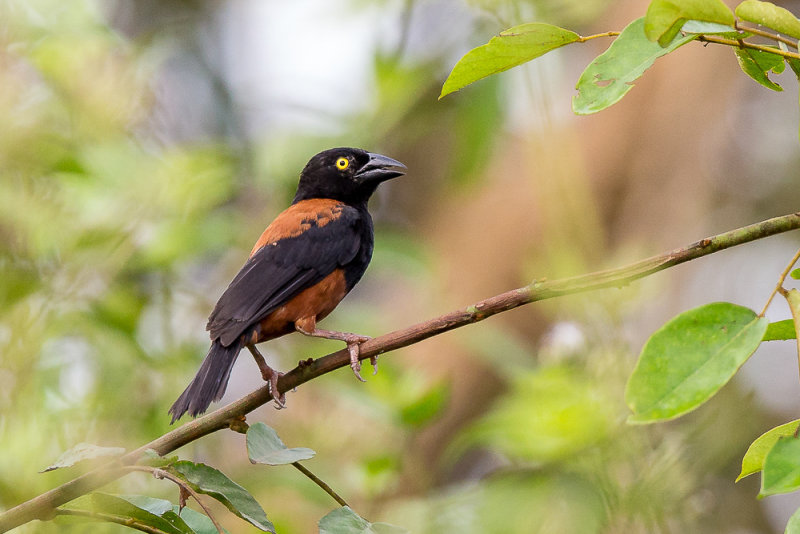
342, 163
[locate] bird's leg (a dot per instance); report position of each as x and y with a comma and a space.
270, 376
353, 341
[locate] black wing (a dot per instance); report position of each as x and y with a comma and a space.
280, 270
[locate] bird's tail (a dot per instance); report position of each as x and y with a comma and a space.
209, 384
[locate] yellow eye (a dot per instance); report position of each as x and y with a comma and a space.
342, 163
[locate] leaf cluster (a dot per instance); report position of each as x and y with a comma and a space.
667, 26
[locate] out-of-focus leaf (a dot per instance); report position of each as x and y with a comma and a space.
768, 14
781, 471
81, 452
793, 525
686, 361
753, 460
425, 407
559, 503
665, 18
571, 413
206, 479
758, 64
265, 447
19, 280
512, 47
611, 75
125, 509
780, 330
121, 308
795, 273
195, 521
345, 521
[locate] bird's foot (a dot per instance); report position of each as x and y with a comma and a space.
272, 382
270, 376
354, 342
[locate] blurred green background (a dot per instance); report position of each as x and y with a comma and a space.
145, 145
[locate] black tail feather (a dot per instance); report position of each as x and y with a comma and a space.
209, 384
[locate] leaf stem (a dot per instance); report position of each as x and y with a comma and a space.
162, 473
742, 44
42, 506
319, 482
582, 39
779, 285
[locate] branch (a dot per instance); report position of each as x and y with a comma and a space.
768, 35
42, 507
743, 44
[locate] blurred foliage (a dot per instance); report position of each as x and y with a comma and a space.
117, 234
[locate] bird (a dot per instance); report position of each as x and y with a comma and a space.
305, 262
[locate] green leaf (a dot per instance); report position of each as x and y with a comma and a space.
753, 460
345, 521
194, 521
713, 28
795, 273
758, 64
768, 14
82, 452
122, 508
265, 447
611, 75
422, 409
793, 525
212, 482
512, 47
665, 18
780, 330
781, 467
690, 358
793, 299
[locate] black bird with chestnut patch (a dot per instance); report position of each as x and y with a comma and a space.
301, 267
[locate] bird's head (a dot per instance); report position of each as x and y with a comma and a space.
347, 174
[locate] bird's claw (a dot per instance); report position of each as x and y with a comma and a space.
355, 364
272, 384
354, 348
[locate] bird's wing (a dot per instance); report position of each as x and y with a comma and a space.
304, 244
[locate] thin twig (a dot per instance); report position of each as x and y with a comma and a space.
779, 285
319, 482
768, 35
582, 39
743, 44
42, 506
162, 473
110, 518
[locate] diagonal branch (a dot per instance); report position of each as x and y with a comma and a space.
42, 507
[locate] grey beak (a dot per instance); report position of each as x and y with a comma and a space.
380, 168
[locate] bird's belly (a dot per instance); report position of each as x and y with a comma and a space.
307, 307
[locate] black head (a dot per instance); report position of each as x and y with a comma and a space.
347, 174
